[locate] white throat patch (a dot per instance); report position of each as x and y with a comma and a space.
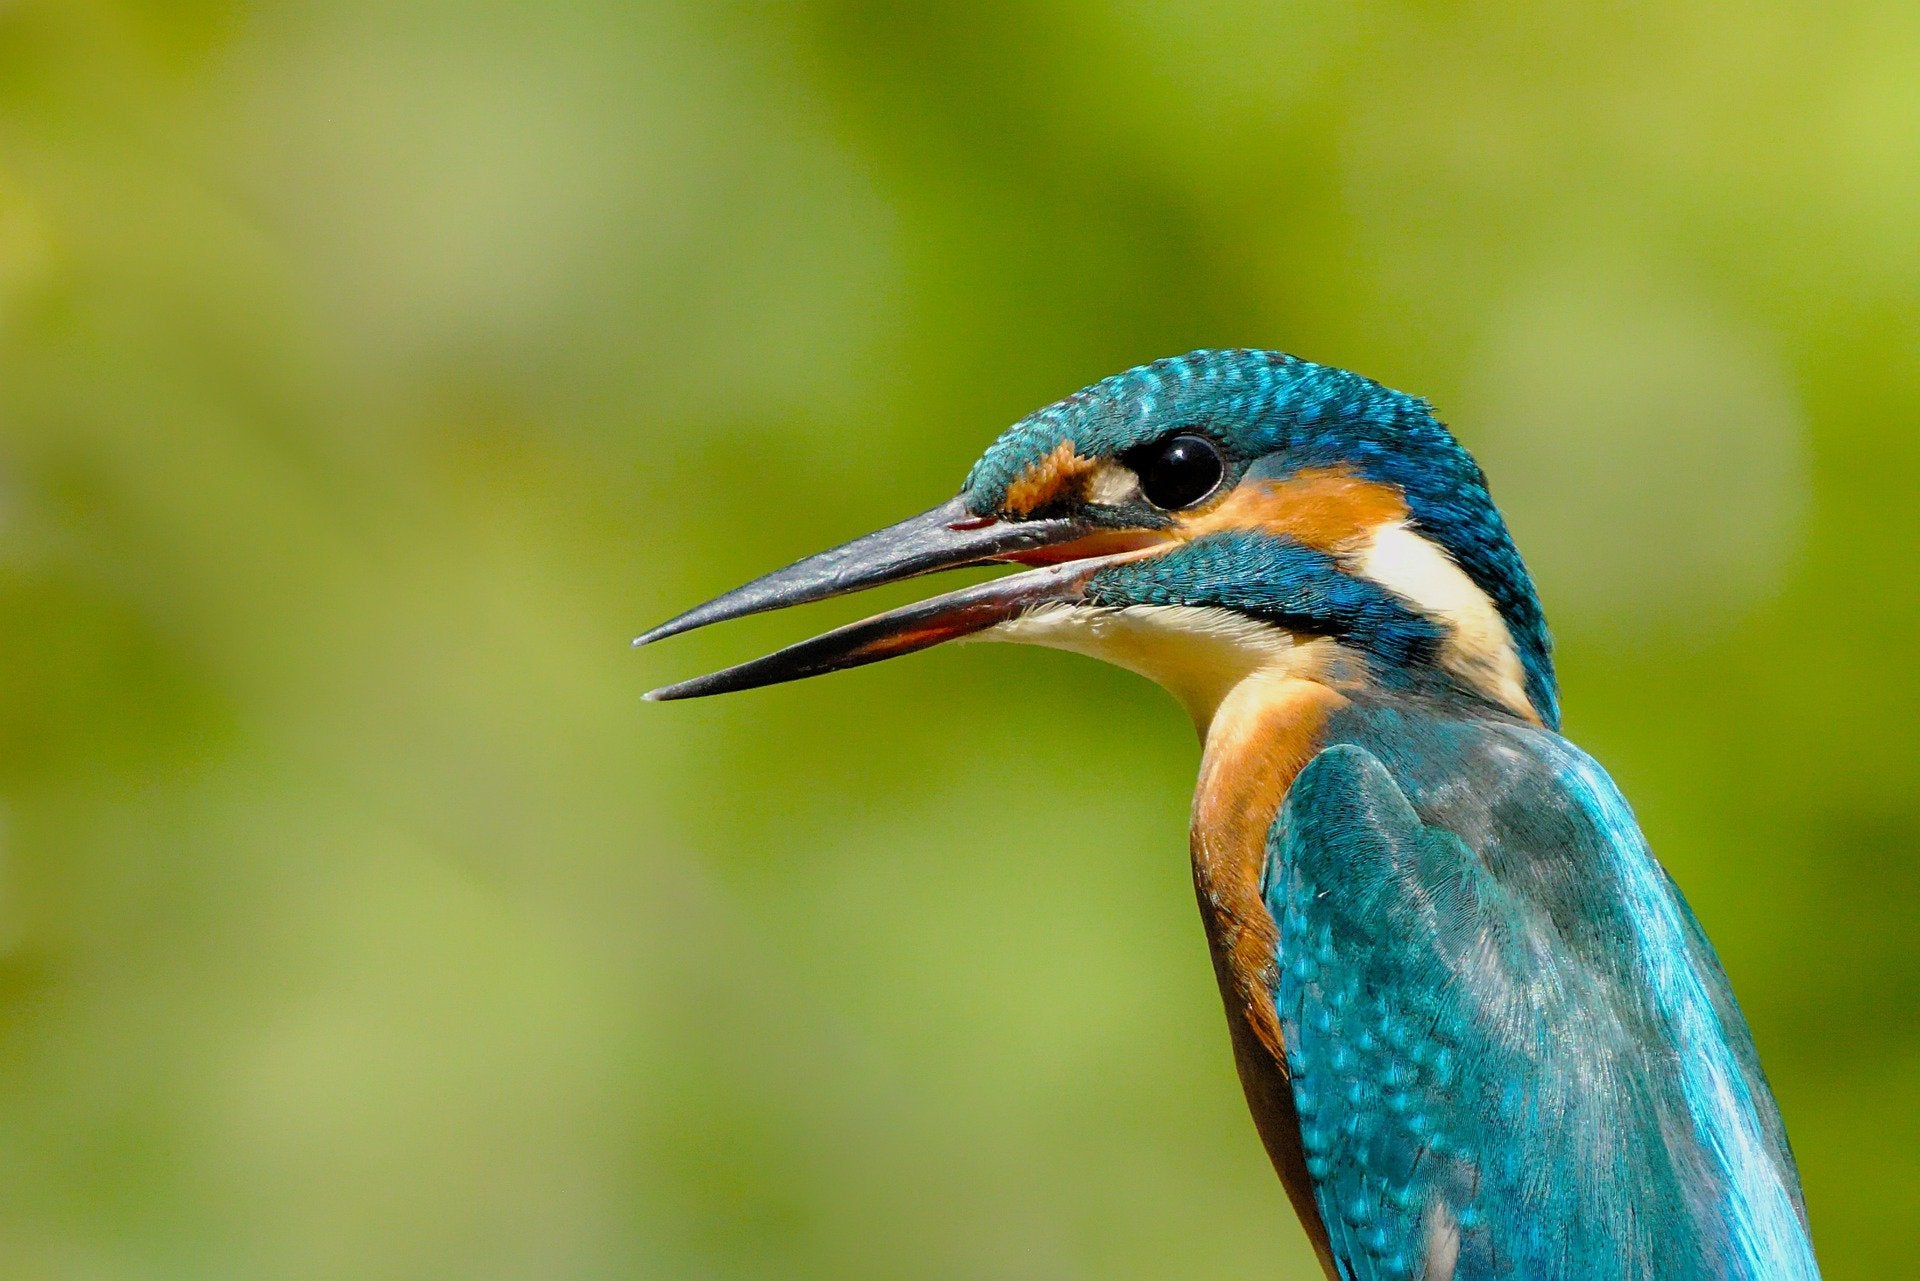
1199, 654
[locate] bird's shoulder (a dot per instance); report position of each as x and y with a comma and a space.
1511, 1048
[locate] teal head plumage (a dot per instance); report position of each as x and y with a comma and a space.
1480, 1031
1273, 416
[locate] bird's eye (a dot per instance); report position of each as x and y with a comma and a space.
1179, 471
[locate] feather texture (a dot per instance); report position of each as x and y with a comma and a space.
1512, 1051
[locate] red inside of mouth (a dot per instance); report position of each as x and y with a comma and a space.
1105, 542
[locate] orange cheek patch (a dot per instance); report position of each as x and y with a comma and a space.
1061, 474
1329, 509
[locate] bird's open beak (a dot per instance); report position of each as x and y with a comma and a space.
948, 537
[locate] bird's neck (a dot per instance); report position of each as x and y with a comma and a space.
1257, 741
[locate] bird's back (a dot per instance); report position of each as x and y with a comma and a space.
1512, 1050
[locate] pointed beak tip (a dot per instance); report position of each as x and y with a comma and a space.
672, 627
677, 691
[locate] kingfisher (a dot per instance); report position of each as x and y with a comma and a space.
1480, 1032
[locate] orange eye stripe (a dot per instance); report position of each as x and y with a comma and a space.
1329, 509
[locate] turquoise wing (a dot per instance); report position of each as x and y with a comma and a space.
1512, 1061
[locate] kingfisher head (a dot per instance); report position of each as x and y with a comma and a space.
1202, 519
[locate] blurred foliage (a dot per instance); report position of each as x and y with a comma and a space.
371, 370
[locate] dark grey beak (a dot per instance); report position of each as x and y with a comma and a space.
948, 537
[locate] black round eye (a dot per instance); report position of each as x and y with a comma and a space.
1178, 471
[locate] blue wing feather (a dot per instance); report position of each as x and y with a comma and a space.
1511, 1050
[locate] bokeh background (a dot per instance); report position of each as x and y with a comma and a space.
370, 371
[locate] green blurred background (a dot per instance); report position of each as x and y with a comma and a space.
370, 372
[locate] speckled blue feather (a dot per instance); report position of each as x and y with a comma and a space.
1512, 1051
1278, 414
